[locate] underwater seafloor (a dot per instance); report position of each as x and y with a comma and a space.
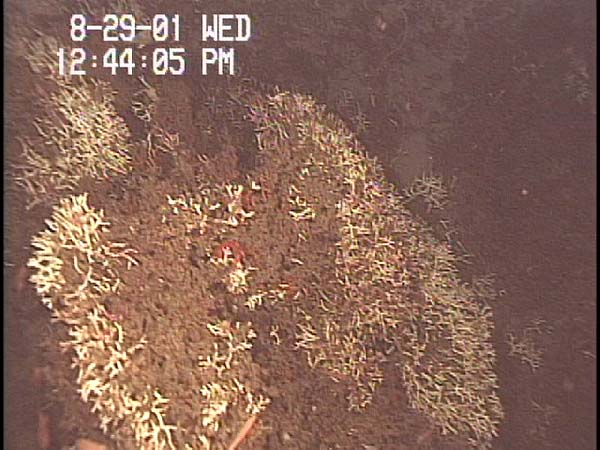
498, 99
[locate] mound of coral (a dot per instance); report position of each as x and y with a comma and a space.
155, 298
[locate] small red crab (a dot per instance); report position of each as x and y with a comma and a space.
232, 249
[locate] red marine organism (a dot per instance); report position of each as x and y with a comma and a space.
232, 249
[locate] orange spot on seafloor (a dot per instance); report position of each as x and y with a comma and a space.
40, 376
44, 432
88, 444
21, 278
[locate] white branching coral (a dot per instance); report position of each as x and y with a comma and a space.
226, 390
85, 127
80, 134
75, 268
72, 237
398, 287
42, 55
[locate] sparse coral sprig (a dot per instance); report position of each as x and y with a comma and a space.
144, 101
143, 105
227, 390
220, 208
236, 210
259, 297
40, 177
526, 347
216, 206
431, 188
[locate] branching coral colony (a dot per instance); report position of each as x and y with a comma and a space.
392, 286
397, 286
209, 218
75, 269
80, 133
